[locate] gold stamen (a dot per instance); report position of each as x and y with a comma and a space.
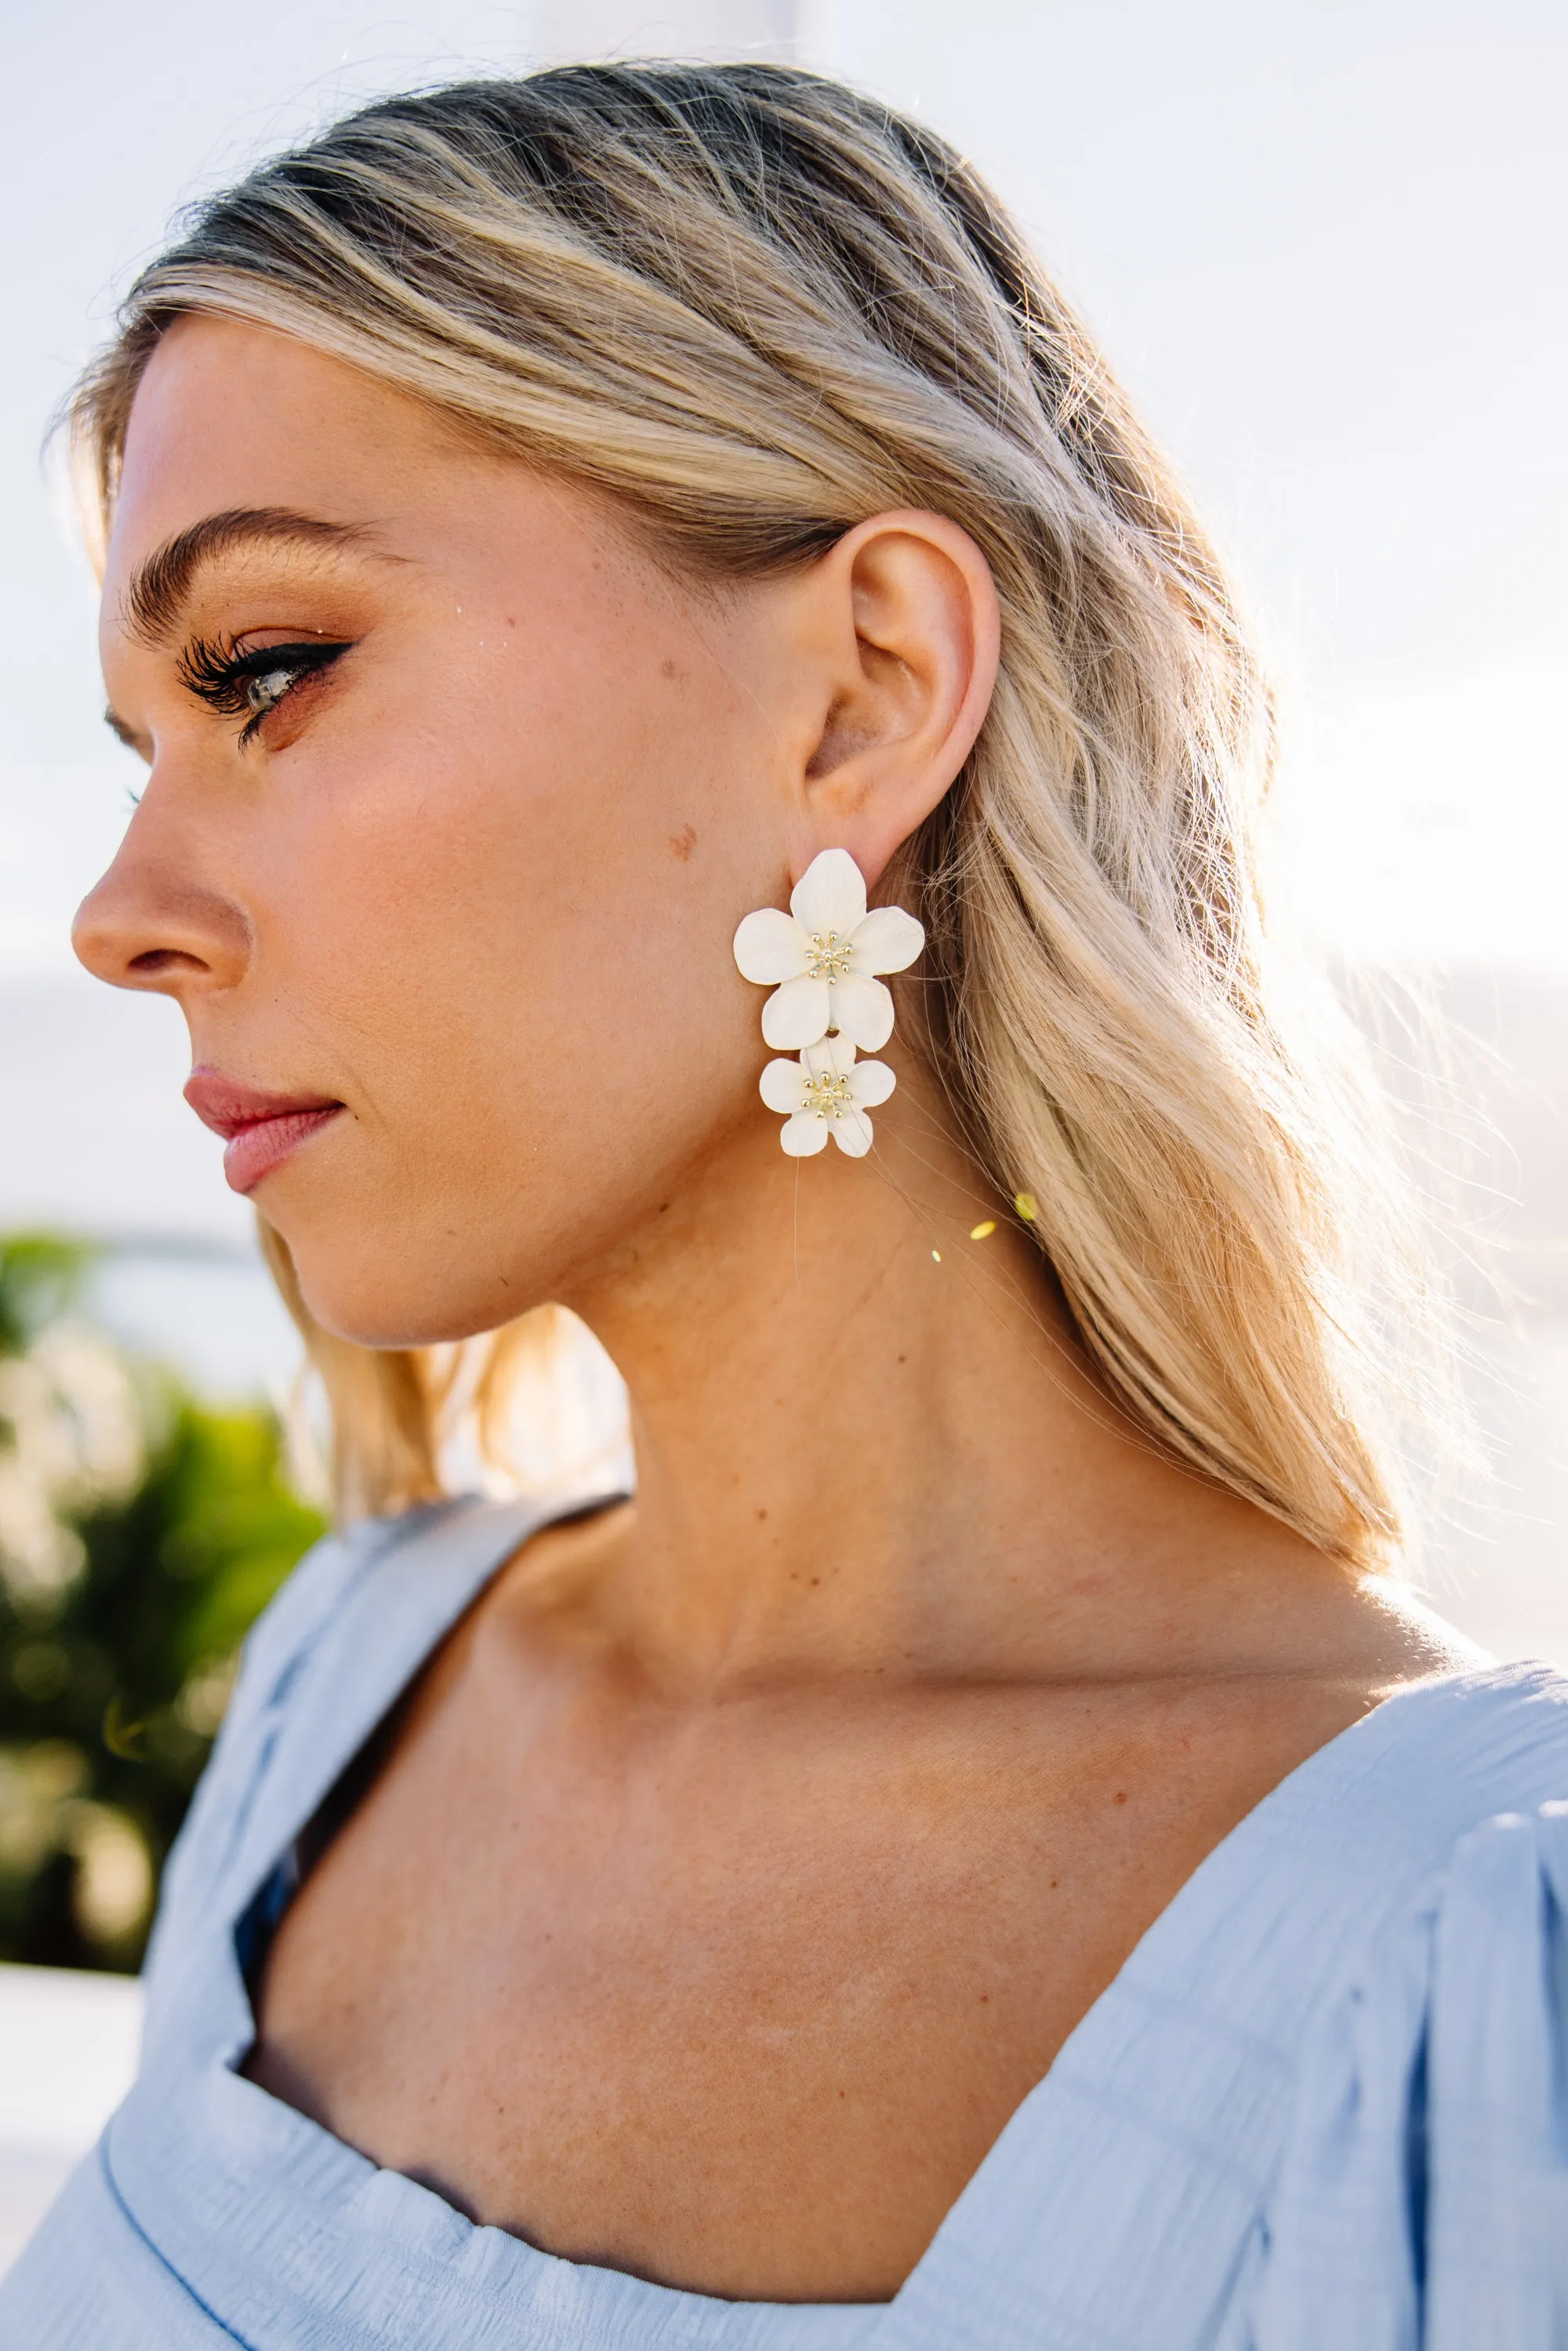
828, 956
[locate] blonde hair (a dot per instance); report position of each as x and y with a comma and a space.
756, 307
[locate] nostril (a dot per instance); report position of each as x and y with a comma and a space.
139, 929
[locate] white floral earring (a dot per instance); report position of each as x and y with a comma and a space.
826, 1092
822, 960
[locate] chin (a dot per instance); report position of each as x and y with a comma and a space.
351, 1296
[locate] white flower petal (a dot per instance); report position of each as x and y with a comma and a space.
829, 894
781, 1086
851, 1132
861, 1009
888, 940
870, 1083
802, 1138
797, 1014
833, 1058
770, 945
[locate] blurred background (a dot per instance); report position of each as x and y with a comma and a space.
1322, 243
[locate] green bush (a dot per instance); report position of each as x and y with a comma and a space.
140, 1535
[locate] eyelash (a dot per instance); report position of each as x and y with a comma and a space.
227, 682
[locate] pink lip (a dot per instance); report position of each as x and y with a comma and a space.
261, 1128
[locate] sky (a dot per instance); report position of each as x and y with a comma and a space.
1322, 240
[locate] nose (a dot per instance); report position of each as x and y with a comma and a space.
152, 923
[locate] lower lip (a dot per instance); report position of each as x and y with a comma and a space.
266, 1143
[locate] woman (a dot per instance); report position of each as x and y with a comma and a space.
983, 1850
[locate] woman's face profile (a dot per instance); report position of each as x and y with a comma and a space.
455, 798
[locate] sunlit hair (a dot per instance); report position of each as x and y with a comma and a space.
757, 308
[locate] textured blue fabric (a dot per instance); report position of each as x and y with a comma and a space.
1323, 2107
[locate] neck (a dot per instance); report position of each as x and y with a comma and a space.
868, 1443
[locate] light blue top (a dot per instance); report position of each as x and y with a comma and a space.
1323, 2106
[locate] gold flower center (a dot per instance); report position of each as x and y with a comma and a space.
828, 956
827, 1096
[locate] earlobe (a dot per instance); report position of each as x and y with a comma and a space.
916, 628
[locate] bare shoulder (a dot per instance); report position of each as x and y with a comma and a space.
1404, 1639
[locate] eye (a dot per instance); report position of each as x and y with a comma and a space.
251, 685
263, 694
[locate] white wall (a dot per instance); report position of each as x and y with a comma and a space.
595, 28
68, 2056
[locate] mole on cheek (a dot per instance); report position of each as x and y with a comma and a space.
681, 843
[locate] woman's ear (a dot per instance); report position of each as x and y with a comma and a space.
904, 618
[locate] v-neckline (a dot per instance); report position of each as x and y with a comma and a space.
1230, 1862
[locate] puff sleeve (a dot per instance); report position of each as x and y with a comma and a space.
1422, 2200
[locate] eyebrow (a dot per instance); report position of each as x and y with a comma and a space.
160, 588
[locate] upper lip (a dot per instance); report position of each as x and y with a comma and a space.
228, 1107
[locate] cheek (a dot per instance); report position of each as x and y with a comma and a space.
519, 955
